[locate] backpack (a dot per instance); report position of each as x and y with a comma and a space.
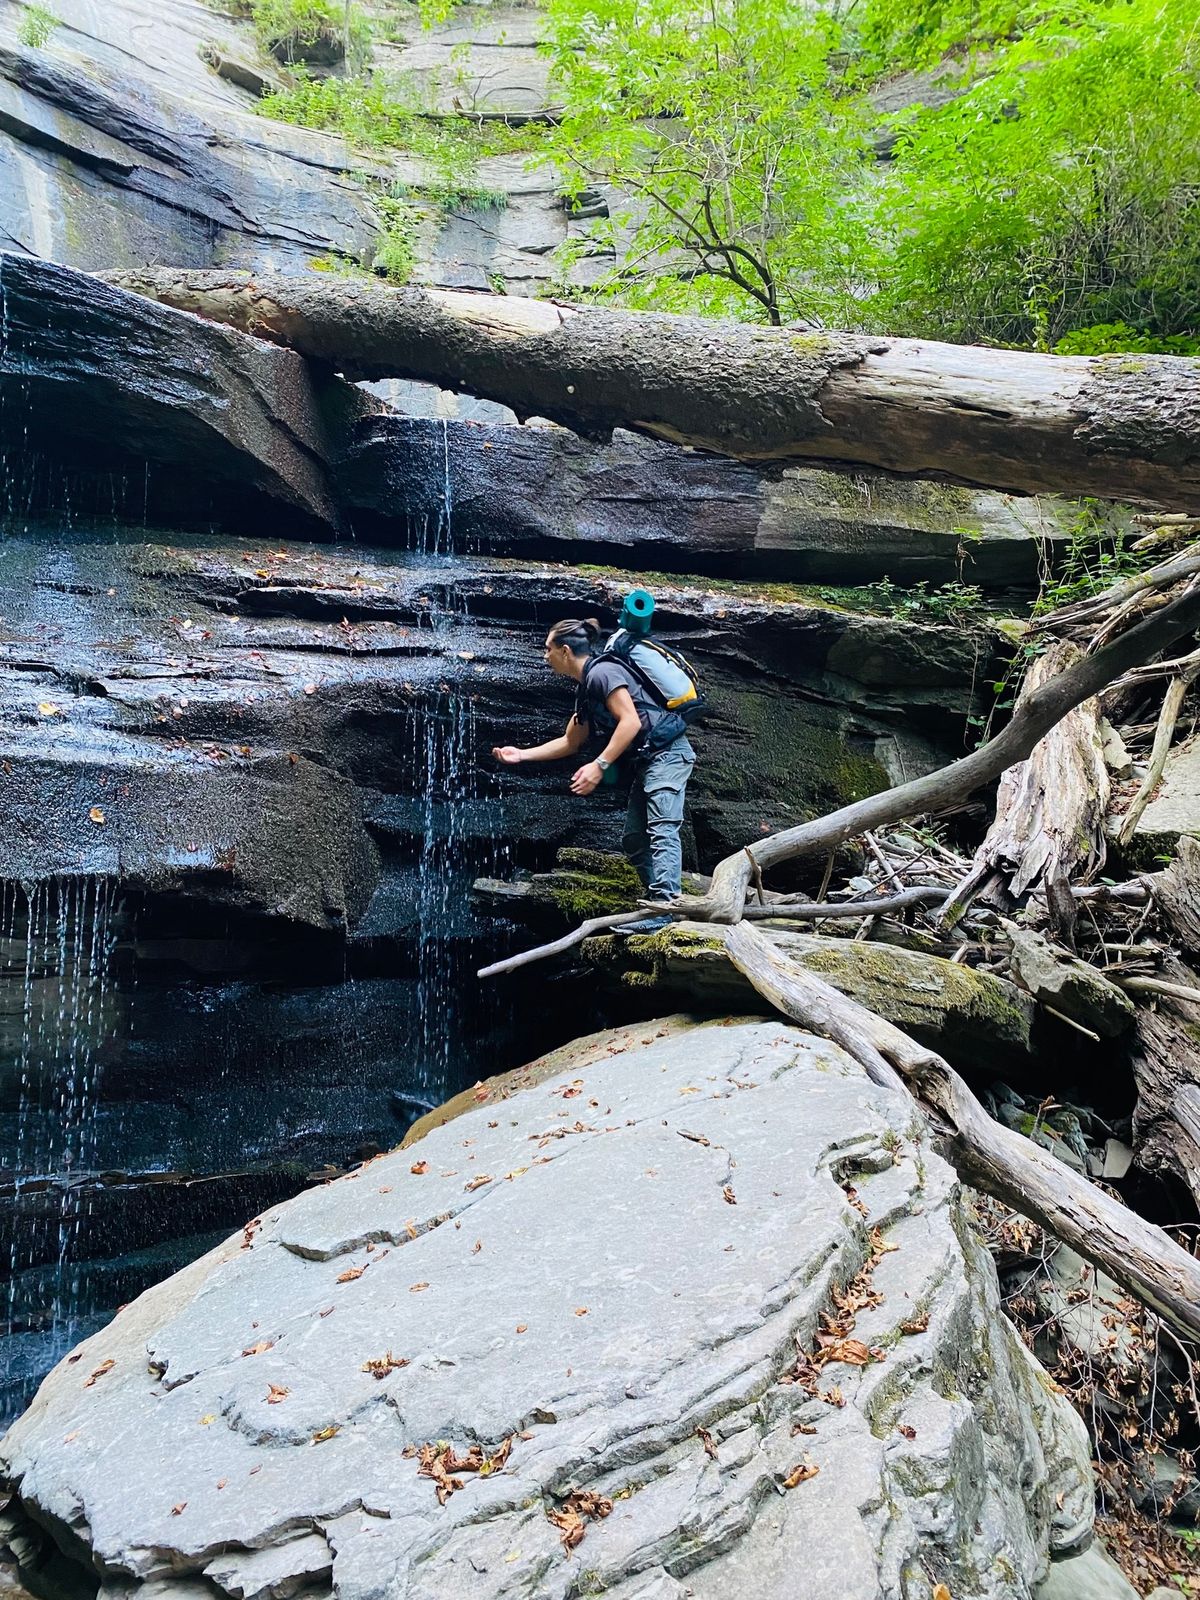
669, 678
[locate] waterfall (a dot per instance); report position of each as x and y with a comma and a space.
446, 758
56, 945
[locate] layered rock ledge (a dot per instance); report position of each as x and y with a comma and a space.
708, 1274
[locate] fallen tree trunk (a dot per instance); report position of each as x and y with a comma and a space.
1050, 808
1033, 718
1003, 419
1136, 1254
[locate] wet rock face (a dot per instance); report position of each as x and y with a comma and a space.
542, 491
252, 724
252, 1421
122, 405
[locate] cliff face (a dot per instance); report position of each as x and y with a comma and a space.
258, 634
232, 757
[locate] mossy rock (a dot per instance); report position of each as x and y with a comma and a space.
971, 1017
591, 883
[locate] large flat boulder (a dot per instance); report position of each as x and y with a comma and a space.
704, 1296
1174, 810
974, 1018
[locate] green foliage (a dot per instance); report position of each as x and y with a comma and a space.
898, 35
388, 113
371, 112
36, 26
957, 605
298, 30
1111, 338
395, 249
1054, 199
726, 123
1098, 554
1059, 192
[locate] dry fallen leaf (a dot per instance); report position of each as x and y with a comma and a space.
70, 1438
477, 1183
800, 1474
97, 815
581, 1311
942, 1593
257, 1349
522, 1327
709, 1443
907, 1430
380, 1366
276, 1392
416, 1288
178, 1508
420, 1168
105, 1366
326, 1433
47, 710
852, 1351
351, 1273
728, 1195
208, 1417
221, 1482
477, 1247
576, 1511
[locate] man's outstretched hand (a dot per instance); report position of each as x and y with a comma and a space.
588, 777
508, 754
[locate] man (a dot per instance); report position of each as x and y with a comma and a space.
611, 700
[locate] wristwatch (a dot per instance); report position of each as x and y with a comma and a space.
602, 764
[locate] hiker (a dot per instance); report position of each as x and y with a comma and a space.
617, 702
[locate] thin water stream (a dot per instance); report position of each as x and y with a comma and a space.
147, 1108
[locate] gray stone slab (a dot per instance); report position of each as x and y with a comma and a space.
1091, 1576
608, 1262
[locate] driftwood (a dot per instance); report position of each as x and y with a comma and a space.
1137, 1255
577, 935
1163, 734
1050, 808
1166, 1070
1006, 419
1177, 892
1032, 720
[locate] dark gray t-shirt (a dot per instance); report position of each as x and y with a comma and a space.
603, 675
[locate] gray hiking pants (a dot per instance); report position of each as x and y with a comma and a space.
654, 817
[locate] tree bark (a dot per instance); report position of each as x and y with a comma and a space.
991, 1157
1166, 1070
1124, 428
1050, 808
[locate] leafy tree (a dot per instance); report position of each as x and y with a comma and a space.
1055, 199
728, 125
1060, 192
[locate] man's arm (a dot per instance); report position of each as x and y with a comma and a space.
568, 743
629, 725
